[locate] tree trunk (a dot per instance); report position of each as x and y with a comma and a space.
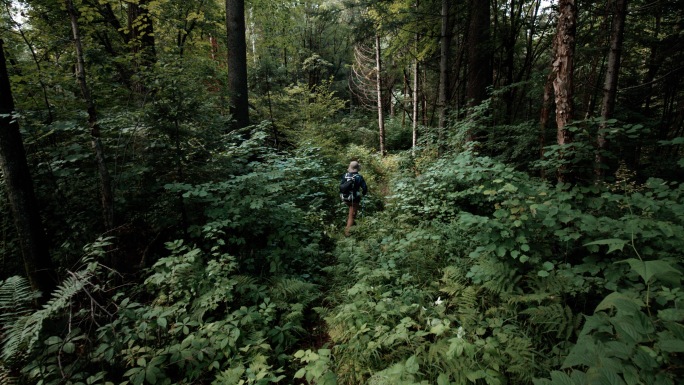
547, 104
32, 239
563, 78
237, 62
106, 194
479, 68
378, 77
445, 45
141, 33
415, 102
610, 85
415, 96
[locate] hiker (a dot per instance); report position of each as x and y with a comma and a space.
351, 186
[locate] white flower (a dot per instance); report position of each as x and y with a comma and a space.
439, 301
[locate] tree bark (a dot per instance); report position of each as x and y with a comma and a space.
106, 192
237, 62
15, 170
611, 81
378, 77
563, 66
479, 68
415, 96
445, 45
415, 102
141, 33
547, 104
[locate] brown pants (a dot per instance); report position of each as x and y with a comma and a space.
353, 209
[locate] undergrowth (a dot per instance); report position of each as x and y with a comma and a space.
469, 272
476, 273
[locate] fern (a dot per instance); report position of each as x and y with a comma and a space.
25, 333
463, 296
6, 377
556, 318
292, 290
496, 277
16, 299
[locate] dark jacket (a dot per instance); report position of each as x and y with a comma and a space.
359, 184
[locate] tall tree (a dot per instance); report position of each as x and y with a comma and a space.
445, 46
141, 32
563, 67
415, 94
106, 193
378, 84
611, 79
32, 240
479, 48
237, 62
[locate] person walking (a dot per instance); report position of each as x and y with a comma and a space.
352, 185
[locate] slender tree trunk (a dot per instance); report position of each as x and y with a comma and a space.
479, 68
141, 32
563, 66
415, 96
404, 99
106, 194
237, 62
141, 38
547, 104
654, 62
611, 81
445, 45
378, 78
415, 102
32, 239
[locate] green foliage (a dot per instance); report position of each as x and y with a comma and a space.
27, 334
317, 367
306, 114
264, 212
634, 336
477, 273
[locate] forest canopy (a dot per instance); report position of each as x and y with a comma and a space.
170, 213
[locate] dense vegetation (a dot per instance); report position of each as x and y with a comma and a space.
494, 247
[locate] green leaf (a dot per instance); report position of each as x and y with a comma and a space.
672, 346
300, 373
69, 348
619, 301
649, 269
613, 244
560, 378
443, 379
412, 366
610, 377
676, 315
476, 375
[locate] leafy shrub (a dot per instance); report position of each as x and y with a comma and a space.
476, 273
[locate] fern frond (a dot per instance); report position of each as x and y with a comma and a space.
453, 281
25, 333
6, 377
555, 318
243, 282
502, 280
537, 298
292, 290
16, 299
556, 286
